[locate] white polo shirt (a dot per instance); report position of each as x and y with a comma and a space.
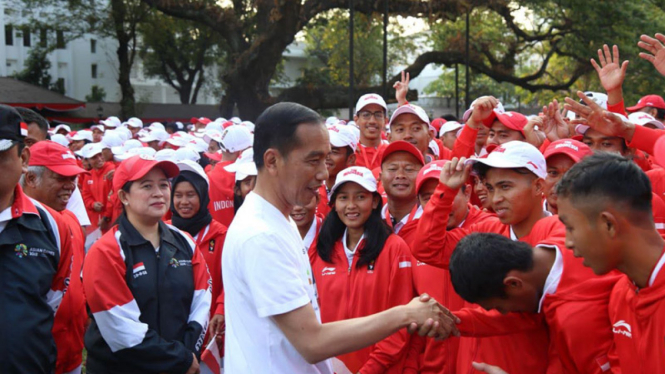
266, 273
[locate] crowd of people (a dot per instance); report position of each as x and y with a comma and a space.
389, 243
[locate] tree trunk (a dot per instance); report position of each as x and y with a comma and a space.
127, 102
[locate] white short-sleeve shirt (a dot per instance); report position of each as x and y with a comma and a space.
266, 272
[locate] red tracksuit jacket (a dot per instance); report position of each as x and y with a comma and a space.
369, 157
638, 323
95, 188
524, 352
440, 357
322, 207
221, 188
576, 313
348, 292
69, 323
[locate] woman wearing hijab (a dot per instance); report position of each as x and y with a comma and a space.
189, 205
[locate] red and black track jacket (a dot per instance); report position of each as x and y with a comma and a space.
150, 308
35, 263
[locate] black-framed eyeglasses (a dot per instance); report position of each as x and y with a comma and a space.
366, 115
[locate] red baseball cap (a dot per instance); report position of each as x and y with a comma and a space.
654, 101
437, 123
658, 153
512, 120
429, 171
203, 120
136, 167
215, 156
574, 149
402, 146
55, 157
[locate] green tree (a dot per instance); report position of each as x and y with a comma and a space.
97, 94
36, 71
178, 51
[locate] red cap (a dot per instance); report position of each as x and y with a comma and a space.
215, 156
437, 123
402, 146
136, 167
654, 101
227, 124
55, 157
512, 120
429, 171
658, 151
569, 147
203, 120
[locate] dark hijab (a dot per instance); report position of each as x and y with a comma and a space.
202, 218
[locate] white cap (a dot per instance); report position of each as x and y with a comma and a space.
62, 126
357, 174
186, 153
450, 126
89, 150
642, 119
177, 139
467, 113
197, 144
98, 127
215, 126
124, 133
249, 124
126, 146
244, 165
111, 139
331, 120
156, 125
210, 135
156, 134
515, 154
82, 135
142, 151
165, 155
598, 97
342, 136
368, 99
189, 165
135, 123
236, 138
236, 120
412, 109
582, 129
60, 139
434, 147
111, 122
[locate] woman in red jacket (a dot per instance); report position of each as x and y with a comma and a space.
362, 268
189, 205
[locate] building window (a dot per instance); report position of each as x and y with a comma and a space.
60, 39
26, 37
93, 46
43, 37
9, 35
94, 70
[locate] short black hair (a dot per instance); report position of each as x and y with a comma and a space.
481, 261
29, 116
276, 128
449, 117
610, 177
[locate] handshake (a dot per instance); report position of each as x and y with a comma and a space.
427, 317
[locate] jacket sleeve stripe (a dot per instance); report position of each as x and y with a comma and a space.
120, 326
117, 239
200, 309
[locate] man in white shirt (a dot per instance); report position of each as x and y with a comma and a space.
272, 315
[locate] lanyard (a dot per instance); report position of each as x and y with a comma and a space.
199, 237
389, 220
363, 153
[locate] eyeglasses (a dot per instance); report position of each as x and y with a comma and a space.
367, 115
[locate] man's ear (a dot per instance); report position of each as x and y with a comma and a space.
608, 224
270, 160
25, 158
539, 186
513, 283
351, 160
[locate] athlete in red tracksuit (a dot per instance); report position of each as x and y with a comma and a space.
222, 185
354, 280
95, 188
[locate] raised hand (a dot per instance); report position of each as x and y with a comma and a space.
610, 72
455, 173
533, 132
655, 49
597, 118
554, 125
482, 109
401, 88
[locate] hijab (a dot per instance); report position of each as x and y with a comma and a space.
202, 218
